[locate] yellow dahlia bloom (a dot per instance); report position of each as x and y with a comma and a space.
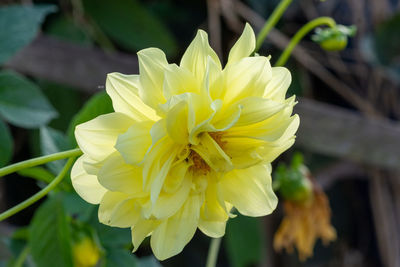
186, 143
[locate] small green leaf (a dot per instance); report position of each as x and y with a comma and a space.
38, 173
53, 141
131, 25
99, 104
148, 261
19, 26
6, 144
49, 235
22, 103
244, 241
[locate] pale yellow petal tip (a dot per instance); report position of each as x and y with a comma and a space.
244, 46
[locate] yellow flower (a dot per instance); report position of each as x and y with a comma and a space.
85, 253
186, 143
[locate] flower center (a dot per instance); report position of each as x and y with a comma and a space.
199, 164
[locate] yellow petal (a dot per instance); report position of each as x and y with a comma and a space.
124, 92
256, 109
269, 152
157, 164
172, 235
152, 64
141, 230
250, 190
247, 77
244, 46
177, 174
196, 55
135, 143
277, 87
168, 204
98, 136
213, 215
177, 123
116, 175
213, 154
118, 210
243, 151
87, 186
178, 81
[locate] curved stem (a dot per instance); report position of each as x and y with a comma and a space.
39, 160
271, 22
39, 194
22, 257
213, 252
301, 33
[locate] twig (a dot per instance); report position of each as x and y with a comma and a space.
214, 25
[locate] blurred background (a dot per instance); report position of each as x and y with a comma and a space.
55, 55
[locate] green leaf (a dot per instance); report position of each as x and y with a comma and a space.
131, 25
244, 241
77, 208
22, 103
37, 173
19, 26
120, 258
6, 144
63, 27
49, 235
111, 237
53, 141
99, 104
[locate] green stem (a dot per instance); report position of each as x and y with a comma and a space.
39, 160
213, 252
22, 257
271, 22
300, 34
39, 194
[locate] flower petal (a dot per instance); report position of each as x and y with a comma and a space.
87, 186
141, 230
152, 64
244, 46
213, 215
135, 143
277, 87
177, 123
250, 190
247, 77
118, 210
116, 175
168, 204
124, 92
172, 235
196, 55
179, 80
97, 137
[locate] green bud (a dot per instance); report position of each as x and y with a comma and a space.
292, 182
333, 39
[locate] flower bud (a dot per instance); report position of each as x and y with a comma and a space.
85, 253
292, 182
333, 39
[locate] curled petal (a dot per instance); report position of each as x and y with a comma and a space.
86, 185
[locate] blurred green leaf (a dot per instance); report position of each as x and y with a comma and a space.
22, 103
76, 207
38, 173
120, 258
53, 141
65, 99
131, 25
63, 27
6, 144
111, 237
99, 104
49, 235
19, 25
244, 241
